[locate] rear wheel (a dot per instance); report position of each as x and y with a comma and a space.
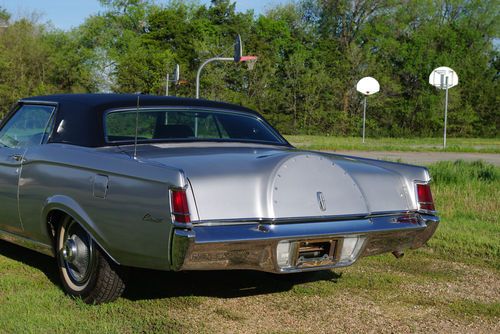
85, 272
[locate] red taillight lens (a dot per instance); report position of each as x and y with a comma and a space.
180, 210
425, 200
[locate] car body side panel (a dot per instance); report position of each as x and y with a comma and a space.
130, 218
9, 177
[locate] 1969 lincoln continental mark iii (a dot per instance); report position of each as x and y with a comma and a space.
106, 180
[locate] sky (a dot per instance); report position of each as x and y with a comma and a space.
65, 14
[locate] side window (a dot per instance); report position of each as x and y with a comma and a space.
27, 127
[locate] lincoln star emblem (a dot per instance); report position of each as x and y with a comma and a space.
321, 201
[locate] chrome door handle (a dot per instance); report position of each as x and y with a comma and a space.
17, 157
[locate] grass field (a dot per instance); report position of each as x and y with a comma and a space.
450, 286
481, 145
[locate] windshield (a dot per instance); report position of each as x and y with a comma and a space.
187, 125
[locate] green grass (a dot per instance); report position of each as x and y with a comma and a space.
454, 280
472, 308
467, 196
480, 145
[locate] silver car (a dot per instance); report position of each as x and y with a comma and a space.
105, 181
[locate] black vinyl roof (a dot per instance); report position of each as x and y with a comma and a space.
83, 113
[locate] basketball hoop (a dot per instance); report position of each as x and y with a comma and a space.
237, 58
249, 60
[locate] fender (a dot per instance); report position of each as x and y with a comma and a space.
70, 207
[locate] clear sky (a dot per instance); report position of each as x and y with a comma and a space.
65, 14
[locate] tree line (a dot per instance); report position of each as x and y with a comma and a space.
311, 54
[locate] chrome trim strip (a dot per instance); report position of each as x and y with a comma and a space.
242, 233
389, 213
46, 103
28, 243
293, 220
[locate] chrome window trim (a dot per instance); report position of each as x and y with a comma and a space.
38, 102
49, 127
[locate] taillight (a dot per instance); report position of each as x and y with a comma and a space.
424, 197
179, 205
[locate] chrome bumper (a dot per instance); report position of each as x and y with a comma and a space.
254, 246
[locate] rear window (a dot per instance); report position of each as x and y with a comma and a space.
186, 125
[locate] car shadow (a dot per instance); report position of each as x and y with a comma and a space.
44, 263
142, 284
149, 284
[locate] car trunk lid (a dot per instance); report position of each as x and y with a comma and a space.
258, 182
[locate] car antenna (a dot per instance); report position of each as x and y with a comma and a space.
136, 127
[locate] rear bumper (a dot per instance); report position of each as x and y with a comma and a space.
255, 246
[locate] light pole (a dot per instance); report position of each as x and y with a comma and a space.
367, 86
364, 118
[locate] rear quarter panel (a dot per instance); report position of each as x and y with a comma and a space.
409, 175
64, 177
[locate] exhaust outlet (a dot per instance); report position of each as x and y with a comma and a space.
398, 254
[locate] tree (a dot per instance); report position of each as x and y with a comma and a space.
311, 54
37, 60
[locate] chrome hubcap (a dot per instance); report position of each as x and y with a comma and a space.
70, 251
77, 254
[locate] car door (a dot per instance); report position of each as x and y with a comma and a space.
27, 126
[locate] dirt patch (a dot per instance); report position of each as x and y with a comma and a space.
415, 306
344, 312
474, 284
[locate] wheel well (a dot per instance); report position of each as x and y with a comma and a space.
54, 218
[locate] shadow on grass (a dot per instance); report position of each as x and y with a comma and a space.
151, 284
44, 263
147, 284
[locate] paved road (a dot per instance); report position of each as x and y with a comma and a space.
424, 158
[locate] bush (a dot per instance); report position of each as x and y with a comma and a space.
461, 172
